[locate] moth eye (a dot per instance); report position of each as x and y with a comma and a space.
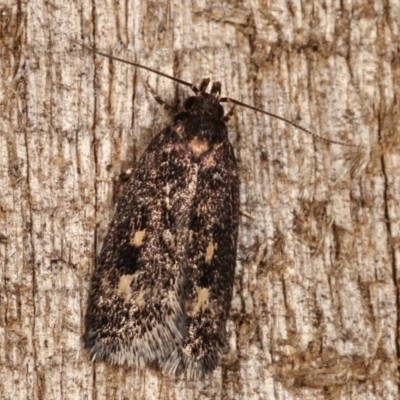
189, 102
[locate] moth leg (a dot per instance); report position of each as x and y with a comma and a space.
170, 108
229, 115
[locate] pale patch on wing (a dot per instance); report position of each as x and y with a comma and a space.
167, 200
169, 239
210, 251
124, 285
140, 301
209, 159
190, 239
202, 299
198, 146
124, 289
138, 237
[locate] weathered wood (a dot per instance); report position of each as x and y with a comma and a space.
315, 309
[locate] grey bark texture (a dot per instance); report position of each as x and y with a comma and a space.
316, 299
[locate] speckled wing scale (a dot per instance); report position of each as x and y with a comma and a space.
162, 288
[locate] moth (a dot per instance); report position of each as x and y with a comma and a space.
162, 288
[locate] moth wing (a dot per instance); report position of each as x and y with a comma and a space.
211, 263
134, 312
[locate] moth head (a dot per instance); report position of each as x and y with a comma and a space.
207, 104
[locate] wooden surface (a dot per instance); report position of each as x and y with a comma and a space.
316, 300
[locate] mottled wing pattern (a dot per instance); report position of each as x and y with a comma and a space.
211, 261
135, 309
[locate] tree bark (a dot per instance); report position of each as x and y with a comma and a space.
316, 297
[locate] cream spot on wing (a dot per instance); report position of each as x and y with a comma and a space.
210, 251
168, 205
210, 159
168, 238
167, 199
138, 237
140, 301
202, 299
124, 285
167, 189
190, 239
198, 146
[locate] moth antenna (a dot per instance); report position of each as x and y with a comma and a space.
191, 85
239, 103
216, 89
